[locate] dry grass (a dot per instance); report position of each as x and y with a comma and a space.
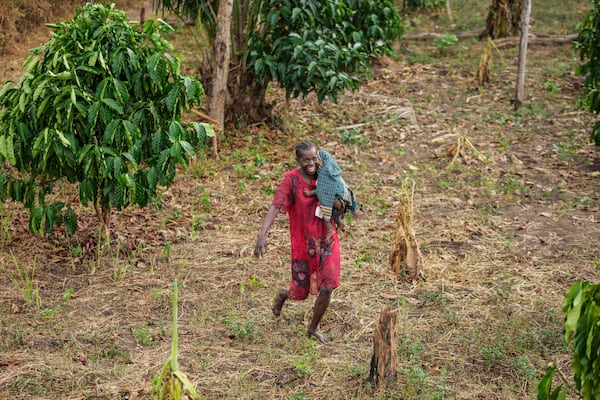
502, 236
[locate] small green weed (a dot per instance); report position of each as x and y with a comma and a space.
23, 281
420, 385
142, 335
243, 331
48, 312
241, 187
552, 87
444, 43
524, 368
399, 151
298, 396
259, 160
305, 362
244, 172
444, 184
68, 294
166, 250
76, 251
424, 4
252, 283
531, 110
418, 58
364, 257
113, 351
410, 348
512, 184
120, 266
352, 136
204, 200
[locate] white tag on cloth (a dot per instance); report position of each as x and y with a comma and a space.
318, 212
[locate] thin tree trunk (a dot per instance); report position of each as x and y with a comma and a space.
246, 101
103, 213
222, 57
523, 53
448, 10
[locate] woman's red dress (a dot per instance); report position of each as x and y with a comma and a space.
315, 262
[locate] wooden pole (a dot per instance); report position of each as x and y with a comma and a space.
384, 362
525, 18
448, 10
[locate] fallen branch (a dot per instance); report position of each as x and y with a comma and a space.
433, 35
205, 116
535, 39
539, 39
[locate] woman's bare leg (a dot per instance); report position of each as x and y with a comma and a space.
321, 305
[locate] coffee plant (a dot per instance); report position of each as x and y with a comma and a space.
582, 328
316, 46
588, 44
100, 106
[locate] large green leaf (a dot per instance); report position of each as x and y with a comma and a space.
112, 103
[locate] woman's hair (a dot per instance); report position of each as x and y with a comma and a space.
304, 146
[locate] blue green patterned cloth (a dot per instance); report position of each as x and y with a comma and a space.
330, 185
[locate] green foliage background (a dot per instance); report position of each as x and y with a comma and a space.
322, 47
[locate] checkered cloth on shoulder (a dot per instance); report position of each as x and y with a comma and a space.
330, 185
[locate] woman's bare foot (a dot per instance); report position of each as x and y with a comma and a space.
280, 298
320, 336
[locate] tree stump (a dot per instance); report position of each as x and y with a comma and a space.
384, 362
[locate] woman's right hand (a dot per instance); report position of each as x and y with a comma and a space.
260, 248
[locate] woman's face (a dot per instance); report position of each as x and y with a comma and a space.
308, 161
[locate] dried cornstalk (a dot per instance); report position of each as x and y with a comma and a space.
405, 255
461, 149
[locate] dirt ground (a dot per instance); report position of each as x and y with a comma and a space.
505, 229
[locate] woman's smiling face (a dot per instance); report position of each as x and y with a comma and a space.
309, 161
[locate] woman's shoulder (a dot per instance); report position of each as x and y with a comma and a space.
291, 173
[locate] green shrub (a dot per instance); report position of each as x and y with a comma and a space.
588, 44
100, 106
444, 43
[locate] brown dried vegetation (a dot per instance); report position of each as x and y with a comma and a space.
502, 237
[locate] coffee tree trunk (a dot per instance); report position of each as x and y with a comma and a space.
503, 18
222, 58
103, 212
242, 97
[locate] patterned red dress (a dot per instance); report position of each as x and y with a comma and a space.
315, 262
